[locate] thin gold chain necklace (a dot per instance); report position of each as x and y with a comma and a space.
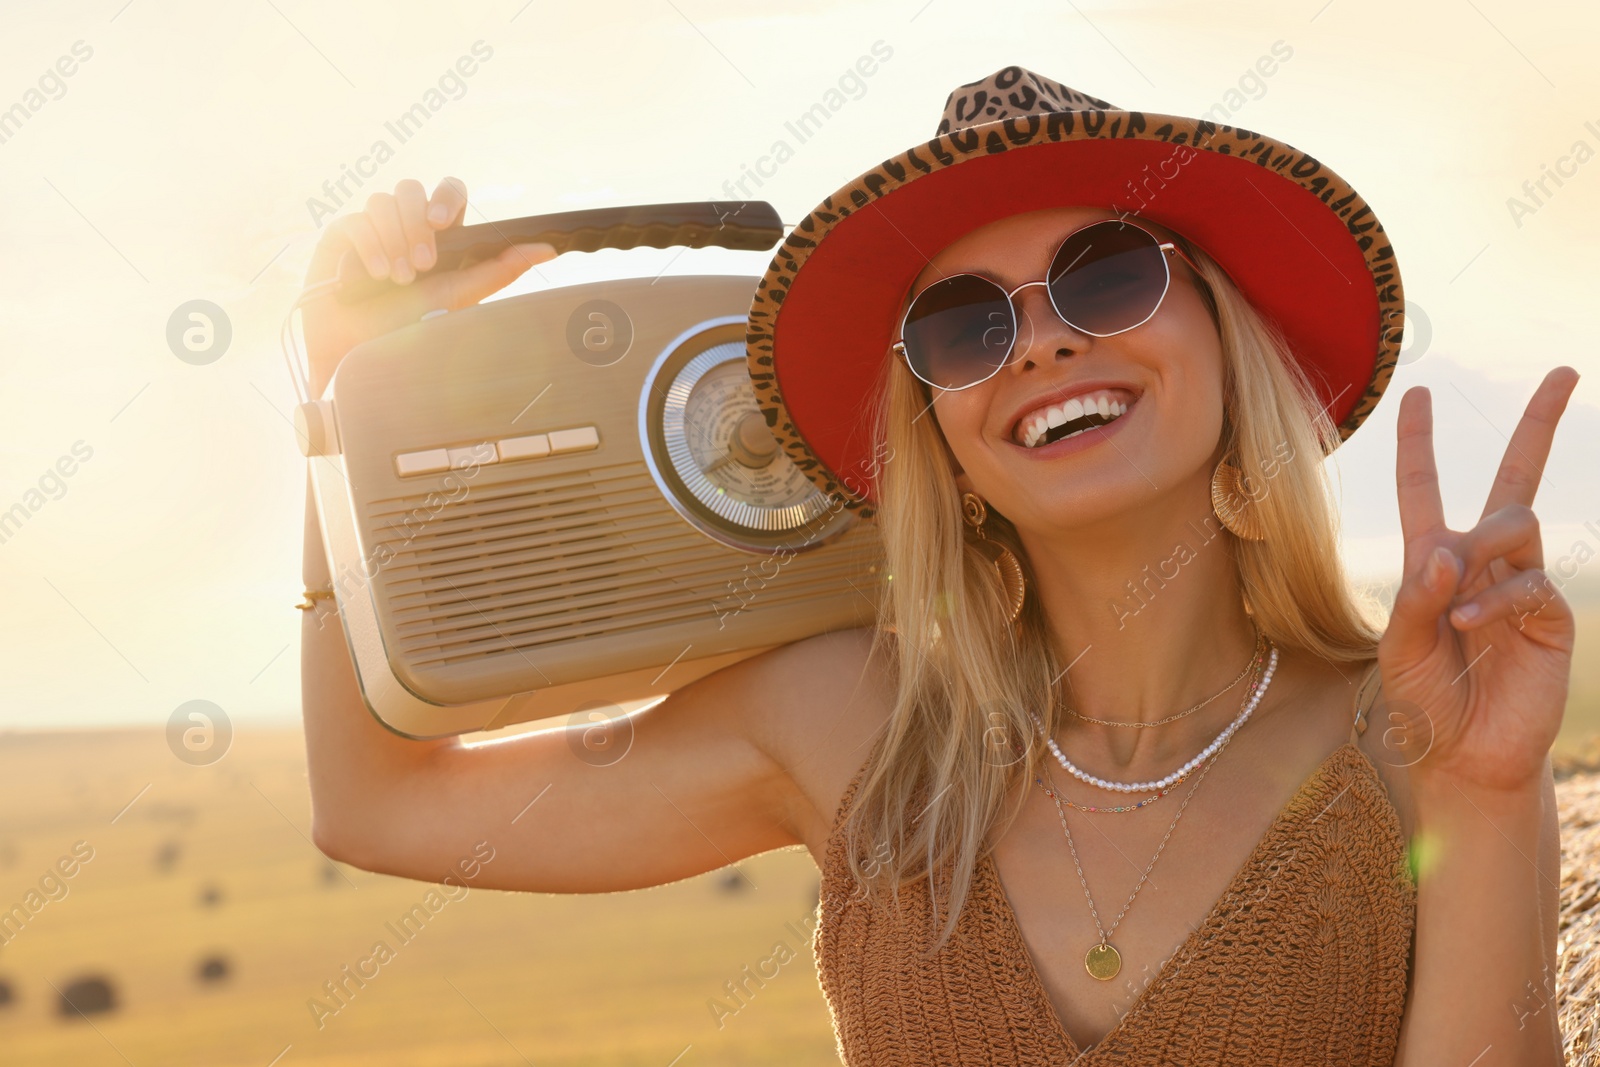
1255, 655
1050, 791
1103, 961
1252, 700
1053, 793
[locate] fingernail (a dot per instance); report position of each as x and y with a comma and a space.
1465, 613
437, 213
378, 266
1440, 563
422, 256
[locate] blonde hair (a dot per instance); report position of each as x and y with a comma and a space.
964, 686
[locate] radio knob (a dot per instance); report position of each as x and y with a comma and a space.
753, 444
315, 429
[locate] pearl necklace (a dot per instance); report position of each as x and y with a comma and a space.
1220, 740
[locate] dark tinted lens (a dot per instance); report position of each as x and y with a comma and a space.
1108, 277
959, 331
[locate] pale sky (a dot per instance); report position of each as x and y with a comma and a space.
176, 161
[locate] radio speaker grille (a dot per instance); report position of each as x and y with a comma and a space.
519, 566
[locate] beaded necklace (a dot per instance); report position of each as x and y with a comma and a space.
1220, 740
1055, 794
1103, 960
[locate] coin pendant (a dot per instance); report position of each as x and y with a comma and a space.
1103, 962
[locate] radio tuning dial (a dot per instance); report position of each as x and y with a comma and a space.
712, 455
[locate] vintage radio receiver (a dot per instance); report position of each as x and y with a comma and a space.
569, 498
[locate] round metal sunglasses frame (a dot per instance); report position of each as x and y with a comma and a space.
1165, 247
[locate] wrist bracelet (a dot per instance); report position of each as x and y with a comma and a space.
308, 599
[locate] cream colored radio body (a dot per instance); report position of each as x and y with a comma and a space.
567, 499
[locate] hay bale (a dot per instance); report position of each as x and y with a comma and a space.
89, 995
1578, 940
167, 855
213, 969
1582, 757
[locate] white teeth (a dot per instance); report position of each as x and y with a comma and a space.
1032, 429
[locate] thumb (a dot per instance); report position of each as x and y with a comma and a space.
465, 287
1421, 601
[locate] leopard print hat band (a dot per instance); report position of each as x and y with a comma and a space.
1296, 239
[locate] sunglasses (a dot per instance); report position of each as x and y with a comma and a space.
1105, 279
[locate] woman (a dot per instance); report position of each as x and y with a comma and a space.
1153, 602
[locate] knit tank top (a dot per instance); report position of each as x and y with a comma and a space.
1304, 959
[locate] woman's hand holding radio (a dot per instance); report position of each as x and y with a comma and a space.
705, 779
394, 238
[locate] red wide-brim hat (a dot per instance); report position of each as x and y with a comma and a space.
1301, 244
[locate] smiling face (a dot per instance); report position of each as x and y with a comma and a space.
1167, 373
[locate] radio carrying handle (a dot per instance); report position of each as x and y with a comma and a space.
750, 225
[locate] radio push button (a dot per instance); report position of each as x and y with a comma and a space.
479, 455
530, 447
427, 462
580, 439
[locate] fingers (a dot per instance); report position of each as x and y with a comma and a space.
395, 235
406, 222
465, 287
412, 204
1512, 533
1526, 594
1416, 474
449, 200
383, 211
1522, 467
359, 233
396, 238
1424, 593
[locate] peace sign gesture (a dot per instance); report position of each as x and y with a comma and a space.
1479, 640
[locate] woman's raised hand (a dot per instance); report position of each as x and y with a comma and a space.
1478, 652
394, 237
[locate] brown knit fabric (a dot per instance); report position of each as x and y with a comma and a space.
1303, 960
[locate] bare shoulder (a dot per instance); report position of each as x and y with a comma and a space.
832, 698
1316, 713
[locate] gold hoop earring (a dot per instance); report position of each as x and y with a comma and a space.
1004, 560
1232, 506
